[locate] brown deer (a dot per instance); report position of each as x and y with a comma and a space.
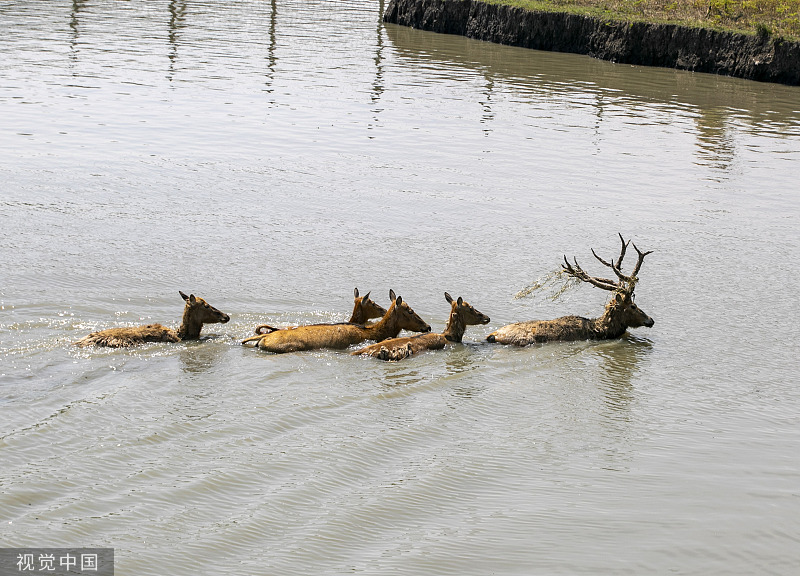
196, 312
364, 309
399, 317
462, 314
620, 313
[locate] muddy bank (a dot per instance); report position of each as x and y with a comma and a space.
764, 59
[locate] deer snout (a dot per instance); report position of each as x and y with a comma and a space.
225, 318
649, 323
427, 328
485, 319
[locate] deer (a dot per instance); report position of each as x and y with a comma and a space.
621, 312
196, 312
399, 316
364, 310
462, 314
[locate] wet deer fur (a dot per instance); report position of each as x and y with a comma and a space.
364, 309
398, 317
620, 312
196, 312
462, 314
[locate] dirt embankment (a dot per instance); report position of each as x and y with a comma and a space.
761, 58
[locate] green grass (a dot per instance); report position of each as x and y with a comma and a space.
779, 18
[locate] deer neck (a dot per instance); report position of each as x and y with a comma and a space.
355, 317
611, 323
190, 326
454, 331
384, 328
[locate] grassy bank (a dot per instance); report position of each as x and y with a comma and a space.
779, 18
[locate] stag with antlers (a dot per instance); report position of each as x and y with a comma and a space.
620, 313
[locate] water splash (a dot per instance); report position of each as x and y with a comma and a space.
552, 286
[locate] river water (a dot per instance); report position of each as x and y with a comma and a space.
271, 156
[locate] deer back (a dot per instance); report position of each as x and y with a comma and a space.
129, 336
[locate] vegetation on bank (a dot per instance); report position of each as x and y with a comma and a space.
779, 18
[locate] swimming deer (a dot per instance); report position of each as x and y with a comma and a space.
462, 314
399, 317
364, 309
620, 313
196, 312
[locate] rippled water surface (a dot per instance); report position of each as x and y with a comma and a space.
270, 156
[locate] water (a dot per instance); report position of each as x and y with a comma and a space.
272, 156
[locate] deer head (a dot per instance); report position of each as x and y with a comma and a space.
462, 314
364, 308
406, 318
201, 311
468, 314
621, 304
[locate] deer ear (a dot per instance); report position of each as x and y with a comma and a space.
392, 297
355, 293
448, 298
460, 301
184, 296
192, 299
399, 301
366, 297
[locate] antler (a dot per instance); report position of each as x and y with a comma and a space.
626, 282
622, 251
616, 266
640, 260
577, 272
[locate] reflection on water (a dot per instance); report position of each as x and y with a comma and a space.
400, 374
77, 6
715, 139
460, 358
612, 90
272, 58
177, 11
619, 362
546, 72
200, 357
488, 116
377, 85
432, 366
461, 361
